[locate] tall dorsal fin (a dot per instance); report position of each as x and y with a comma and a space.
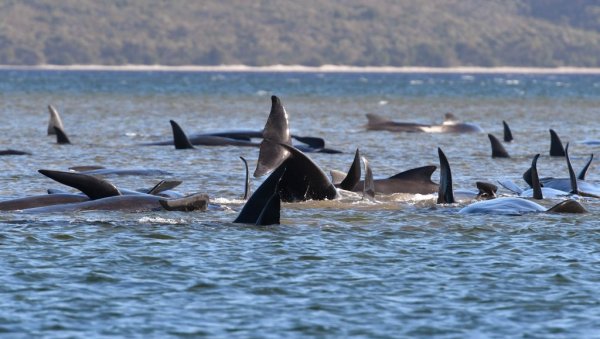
584, 170
247, 181
276, 132
353, 176
164, 185
416, 174
180, 139
261, 198
369, 183
445, 193
61, 136
498, 150
93, 187
572, 177
508, 137
54, 121
535, 179
556, 146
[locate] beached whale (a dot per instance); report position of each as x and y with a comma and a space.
450, 125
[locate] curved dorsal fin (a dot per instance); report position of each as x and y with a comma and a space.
445, 193
54, 121
271, 154
416, 174
354, 173
247, 181
369, 186
535, 179
180, 139
556, 146
374, 119
93, 187
508, 137
584, 170
61, 136
572, 177
498, 150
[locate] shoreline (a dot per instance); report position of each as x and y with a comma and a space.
309, 69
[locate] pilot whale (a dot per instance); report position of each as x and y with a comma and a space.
55, 121
450, 125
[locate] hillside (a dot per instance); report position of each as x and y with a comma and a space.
539, 33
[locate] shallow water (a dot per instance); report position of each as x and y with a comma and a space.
399, 267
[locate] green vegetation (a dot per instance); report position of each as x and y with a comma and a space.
543, 33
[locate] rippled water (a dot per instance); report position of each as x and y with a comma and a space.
401, 267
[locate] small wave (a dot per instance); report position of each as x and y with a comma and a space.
160, 220
226, 201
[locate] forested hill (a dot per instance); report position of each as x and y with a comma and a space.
537, 33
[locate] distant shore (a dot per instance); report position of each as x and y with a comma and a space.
311, 69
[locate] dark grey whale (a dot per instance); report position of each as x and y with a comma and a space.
55, 121
450, 125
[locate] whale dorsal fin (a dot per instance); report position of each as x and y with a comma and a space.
445, 193
572, 177
585, 168
276, 132
556, 146
535, 179
498, 151
369, 183
180, 139
247, 181
54, 121
61, 136
416, 174
353, 176
93, 187
261, 198
508, 137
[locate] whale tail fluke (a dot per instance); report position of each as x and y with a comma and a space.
535, 179
261, 207
585, 168
276, 132
54, 121
61, 136
354, 173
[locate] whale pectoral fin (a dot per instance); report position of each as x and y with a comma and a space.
194, 202
511, 186
61, 136
261, 198
180, 139
353, 176
556, 146
567, 206
445, 193
584, 170
486, 190
416, 174
164, 185
93, 187
369, 186
498, 151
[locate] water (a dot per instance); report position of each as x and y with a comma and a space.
401, 267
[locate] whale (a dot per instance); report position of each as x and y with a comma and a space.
556, 146
13, 152
502, 205
104, 171
55, 121
450, 125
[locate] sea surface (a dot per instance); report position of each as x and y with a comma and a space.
401, 266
